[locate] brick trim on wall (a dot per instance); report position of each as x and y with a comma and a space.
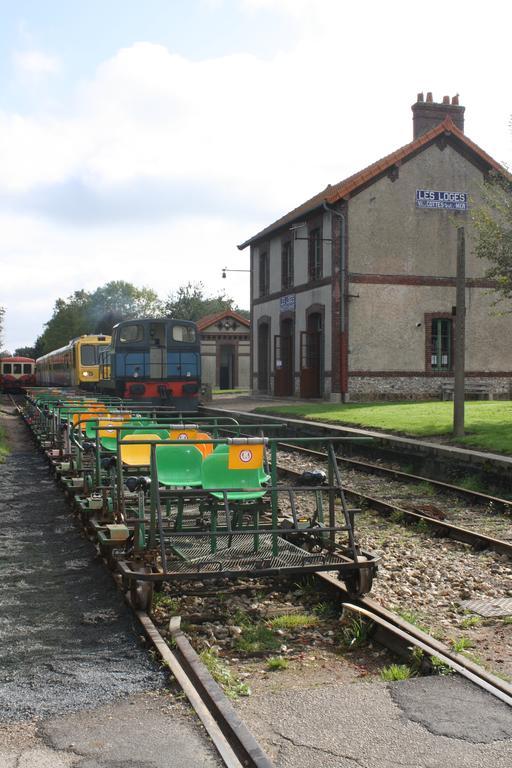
428, 280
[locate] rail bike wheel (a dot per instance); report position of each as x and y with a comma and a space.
141, 593
359, 583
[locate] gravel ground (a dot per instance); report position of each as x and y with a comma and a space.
67, 640
426, 578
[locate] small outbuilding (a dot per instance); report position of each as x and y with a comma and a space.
225, 350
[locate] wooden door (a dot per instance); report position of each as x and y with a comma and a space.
310, 363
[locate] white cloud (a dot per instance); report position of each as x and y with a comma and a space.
264, 133
36, 63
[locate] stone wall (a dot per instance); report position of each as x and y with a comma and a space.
368, 388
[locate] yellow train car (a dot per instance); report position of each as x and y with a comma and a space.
76, 365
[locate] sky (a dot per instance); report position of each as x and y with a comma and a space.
142, 141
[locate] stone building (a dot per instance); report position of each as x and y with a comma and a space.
225, 350
352, 292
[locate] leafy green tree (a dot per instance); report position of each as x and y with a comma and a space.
96, 312
69, 319
119, 300
493, 223
191, 302
25, 351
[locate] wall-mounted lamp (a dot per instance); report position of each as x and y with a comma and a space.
225, 269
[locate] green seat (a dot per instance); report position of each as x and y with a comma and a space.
216, 474
179, 465
263, 476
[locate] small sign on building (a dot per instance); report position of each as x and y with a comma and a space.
287, 303
432, 198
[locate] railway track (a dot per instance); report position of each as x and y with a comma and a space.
477, 539
234, 742
399, 636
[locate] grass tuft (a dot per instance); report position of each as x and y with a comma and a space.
396, 672
232, 686
277, 663
470, 621
256, 638
461, 644
293, 621
355, 633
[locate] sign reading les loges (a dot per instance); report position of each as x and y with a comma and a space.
432, 198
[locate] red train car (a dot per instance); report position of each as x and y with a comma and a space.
16, 373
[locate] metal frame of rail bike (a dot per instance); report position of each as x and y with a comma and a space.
171, 533
153, 532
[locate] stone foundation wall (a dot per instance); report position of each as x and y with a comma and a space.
419, 387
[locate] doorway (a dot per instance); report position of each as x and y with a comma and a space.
311, 357
227, 367
264, 356
283, 360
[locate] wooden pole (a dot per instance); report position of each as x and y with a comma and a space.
460, 337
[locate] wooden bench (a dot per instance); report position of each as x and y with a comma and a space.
471, 392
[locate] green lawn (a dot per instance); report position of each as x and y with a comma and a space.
488, 423
3, 445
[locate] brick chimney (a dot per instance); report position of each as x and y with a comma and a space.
426, 113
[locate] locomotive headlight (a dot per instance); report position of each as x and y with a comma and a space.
86, 373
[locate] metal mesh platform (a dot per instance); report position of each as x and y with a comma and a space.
192, 555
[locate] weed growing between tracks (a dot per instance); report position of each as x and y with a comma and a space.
3, 445
262, 635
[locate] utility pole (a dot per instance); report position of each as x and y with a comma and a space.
460, 337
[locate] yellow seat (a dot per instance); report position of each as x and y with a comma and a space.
137, 455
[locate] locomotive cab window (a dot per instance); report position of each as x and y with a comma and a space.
7, 368
27, 368
88, 354
131, 333
17, 367
185, 333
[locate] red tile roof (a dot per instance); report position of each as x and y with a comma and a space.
332, 194
204, 322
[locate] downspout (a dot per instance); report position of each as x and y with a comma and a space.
342, 285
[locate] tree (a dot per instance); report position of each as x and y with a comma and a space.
190, 302
25, 352
493, 223
119, 300
69, 320
96, 312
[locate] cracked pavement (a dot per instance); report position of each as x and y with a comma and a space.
419, 723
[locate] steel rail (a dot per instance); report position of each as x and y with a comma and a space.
455, 532
236, 745
369, 467
408, 634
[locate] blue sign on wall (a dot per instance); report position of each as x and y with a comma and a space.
287, 303
431, 198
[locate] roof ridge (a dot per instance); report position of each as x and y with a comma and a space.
336, 192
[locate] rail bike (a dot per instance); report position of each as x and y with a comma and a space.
181, 499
